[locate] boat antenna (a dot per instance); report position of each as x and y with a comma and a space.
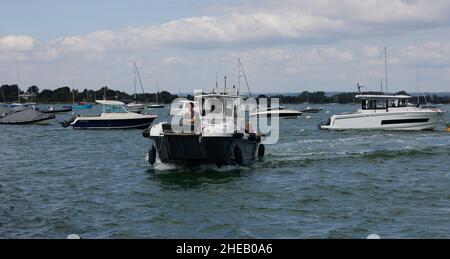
245, 78
359, 88
385, 68
225, 83
217, 80
381, 88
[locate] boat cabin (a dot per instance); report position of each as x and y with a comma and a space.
113, 106
383, 102
220, 110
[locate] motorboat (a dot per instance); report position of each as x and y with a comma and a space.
156, 106
386, 112
182, 107
312, 110
279, 111
136, 107
211, 137
82, 105
22, 115
115, 115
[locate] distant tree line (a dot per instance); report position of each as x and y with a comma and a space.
10, 93
321, 97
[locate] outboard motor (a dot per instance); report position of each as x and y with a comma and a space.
66, 123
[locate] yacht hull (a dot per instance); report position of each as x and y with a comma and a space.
90, 123
384, 121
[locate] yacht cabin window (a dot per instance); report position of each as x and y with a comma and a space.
114, 109
378, 104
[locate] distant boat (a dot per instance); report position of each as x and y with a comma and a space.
115, 115
155, 106
281, 113
82, 105
311, 110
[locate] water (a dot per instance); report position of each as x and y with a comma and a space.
312, 184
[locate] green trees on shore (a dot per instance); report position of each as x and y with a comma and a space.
9, 93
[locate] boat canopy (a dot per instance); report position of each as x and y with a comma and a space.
383, 97
106, 102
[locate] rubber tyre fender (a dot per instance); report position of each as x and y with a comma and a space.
261, 152
152, 155
238, 158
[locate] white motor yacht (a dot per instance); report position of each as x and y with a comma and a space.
386, 112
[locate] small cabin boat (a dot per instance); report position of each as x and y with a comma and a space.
386, 112
209, 137
114, 116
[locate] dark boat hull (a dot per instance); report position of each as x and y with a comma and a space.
28, 116
190, 149
141, 123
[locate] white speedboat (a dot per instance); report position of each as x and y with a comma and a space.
182, 107
114, 116
386, 112
280, 112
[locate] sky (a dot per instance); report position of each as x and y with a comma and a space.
284, 45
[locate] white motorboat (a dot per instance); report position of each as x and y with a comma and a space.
182, 107
386, 112
280, 112
114, 116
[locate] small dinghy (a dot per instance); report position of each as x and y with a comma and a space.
25, 116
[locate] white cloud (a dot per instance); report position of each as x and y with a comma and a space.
13, 43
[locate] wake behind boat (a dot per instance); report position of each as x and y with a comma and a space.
386, 112
114, 116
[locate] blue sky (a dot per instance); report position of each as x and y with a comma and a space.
285, 45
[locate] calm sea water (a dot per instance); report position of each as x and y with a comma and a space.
312, 184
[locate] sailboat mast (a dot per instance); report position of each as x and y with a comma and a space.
418, 98
140, 81
157, 91
135, 81
385, 68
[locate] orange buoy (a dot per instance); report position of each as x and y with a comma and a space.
448, 127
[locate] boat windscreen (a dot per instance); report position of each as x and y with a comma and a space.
114, 109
